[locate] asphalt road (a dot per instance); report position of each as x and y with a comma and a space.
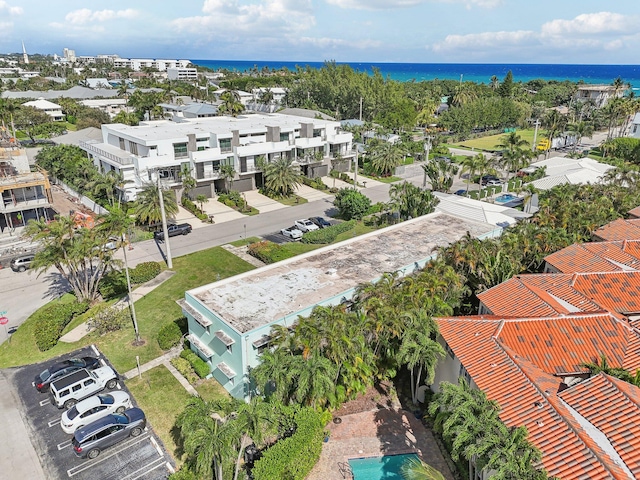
139, 458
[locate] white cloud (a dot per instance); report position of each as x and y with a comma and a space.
5, 7
592, 24
392, 4
85, 15
485, 40
339, 42
224, 18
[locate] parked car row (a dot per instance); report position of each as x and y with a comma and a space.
302, 226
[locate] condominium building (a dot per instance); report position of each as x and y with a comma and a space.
205, 145
178, 73
140, 63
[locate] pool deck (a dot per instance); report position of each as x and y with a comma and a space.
373, 434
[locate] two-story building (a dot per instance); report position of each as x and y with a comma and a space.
52, 109
205, 145
600, 95
230, 320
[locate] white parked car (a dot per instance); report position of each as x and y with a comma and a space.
292, 232
93, 408
305, 225
493, 183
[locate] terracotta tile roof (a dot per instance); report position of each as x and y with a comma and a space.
597, 257
613, 407
634, 212
527, 396
561, 293
620, 229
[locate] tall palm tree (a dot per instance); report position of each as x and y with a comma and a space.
512, 141
411, 201
554, 122
148, 209
228, 173
281, 177
579, 130
231, 104
471, 165
416, 469
440, 174
385, 157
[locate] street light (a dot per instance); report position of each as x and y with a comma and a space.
427, 148
164, 221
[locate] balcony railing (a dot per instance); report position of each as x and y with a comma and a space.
122, 160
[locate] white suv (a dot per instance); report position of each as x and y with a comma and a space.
70, 389
305, 225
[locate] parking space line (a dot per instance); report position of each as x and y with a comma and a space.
146, 468
95, 350
170, 468
45, 402
123, 446
64, 445
53, 423
155, 444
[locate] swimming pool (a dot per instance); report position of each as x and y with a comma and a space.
379, 468
505, 198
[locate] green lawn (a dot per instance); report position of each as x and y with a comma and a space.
360, 229
162, 398
491, 142
210, 389
298, 248
153, 311
245, 241
390, 179
291, 201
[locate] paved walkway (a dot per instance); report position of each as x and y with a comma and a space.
185, 216
262, 202
311, 194
220, 211
373, 434
334, 182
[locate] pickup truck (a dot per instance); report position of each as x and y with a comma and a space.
173, 230
292, 232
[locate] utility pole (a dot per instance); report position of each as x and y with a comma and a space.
535, 135
355, 176
427, 148
360, 108
164, 221
131, 305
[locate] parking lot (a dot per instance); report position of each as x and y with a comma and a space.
141, 457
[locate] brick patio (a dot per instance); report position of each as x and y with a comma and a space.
373, 434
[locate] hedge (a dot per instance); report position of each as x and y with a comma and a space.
112, 285
185, 369
328, 234
294, 457
144, 272
268, 252
188, 204
199, 366
170, 334
51, 321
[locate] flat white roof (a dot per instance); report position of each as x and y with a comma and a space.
259, 297
165, 129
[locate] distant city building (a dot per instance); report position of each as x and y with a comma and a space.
182, 73
69, 55
204, 145
140, 63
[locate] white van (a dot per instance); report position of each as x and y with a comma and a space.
69, 390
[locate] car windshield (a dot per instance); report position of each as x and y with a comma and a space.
44, 376
120, 418
72, 413
76, 362
106, 399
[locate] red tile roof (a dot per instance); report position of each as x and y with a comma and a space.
527, 396
613, 407
620, 229
634, 212
561, 293
597, 257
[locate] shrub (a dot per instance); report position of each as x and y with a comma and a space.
188, 204
351, 203
113, 284
199, 366
144, 272
185, 368
51, 321
109, 319
294, 457
328, 234
268, 252
169, 335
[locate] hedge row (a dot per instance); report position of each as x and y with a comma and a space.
170, 334
188, 204
112, 285
316, 183
328, 234
185, 368
294, 457
268, 252
145, 271
199, 366
51, 321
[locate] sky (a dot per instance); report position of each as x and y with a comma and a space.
416, 31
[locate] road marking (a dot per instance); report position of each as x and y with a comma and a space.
155, 444
45, 402
92, 463
64, 445
146, 468
170, 468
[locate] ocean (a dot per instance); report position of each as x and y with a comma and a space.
474, 72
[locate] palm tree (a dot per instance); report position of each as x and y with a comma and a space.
471, 165
411, 201
464, 93
579, 130
601, 365
315, 378
188, 182
201, 200
228, 173
281, 177
107, 185
416, 469
554, 122
513, 141
231, 104
148, 204
494, 83
440, 174
385, 157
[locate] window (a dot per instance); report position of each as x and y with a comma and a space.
448, 349
89, 382
229, 349
464, 374
225, 145
317, 132
64, 393
121, 141
180, 150
75, 388
133, 148
284, 137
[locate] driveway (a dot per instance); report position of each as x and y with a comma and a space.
139, 458
262, 202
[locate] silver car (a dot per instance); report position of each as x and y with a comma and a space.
94, 408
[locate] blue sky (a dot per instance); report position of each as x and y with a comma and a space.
423, 31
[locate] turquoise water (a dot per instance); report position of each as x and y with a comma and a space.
379, 468
507, 197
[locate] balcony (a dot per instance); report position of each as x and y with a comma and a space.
108, 152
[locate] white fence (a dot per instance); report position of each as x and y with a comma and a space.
86, 201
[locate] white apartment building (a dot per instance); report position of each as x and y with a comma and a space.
140, 63
52, 109
204, 145
182, 74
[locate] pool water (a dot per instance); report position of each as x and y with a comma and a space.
379, 468
504, 198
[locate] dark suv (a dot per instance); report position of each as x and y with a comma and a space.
60, 369
89, 441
